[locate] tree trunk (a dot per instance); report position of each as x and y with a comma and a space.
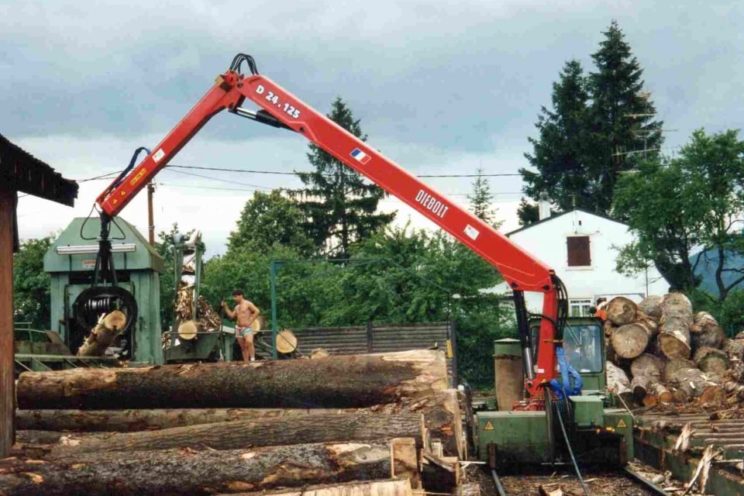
617, 380
640, 385
706, 332
332, 382
677, 305
621, 310
651, 306
189, 472
630, 340
103, 334
674, 338
711, 360
734, 348
648, 365
657, 394
373, 488
672, 366
243, 434
692, 382
145, 420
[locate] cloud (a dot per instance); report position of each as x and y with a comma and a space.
439, 86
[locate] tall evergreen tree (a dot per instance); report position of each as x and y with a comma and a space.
599, 126
622, 124
340, 207
481, 200
560, 150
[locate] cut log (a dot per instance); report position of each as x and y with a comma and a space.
630, 340
657, 394
242, 434
674, 337
332, 382
651, 306
648, 365
144, 420
621, 310
640, 385
677, 305
373, 488
734, 348
711, 360
706, 332
109, 326
692, 382
617, 381
190, 472
673, 365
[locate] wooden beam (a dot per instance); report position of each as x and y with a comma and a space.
7, 393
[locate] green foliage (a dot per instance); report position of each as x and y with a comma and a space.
396, 276
270, 219
597, 128
481, 200
31, 297
728, 312
340, 208
528, 213
676, 205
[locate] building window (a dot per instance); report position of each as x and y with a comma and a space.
579, 254
580, 308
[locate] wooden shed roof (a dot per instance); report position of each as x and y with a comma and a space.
21, 171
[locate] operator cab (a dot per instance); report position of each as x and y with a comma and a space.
583, 343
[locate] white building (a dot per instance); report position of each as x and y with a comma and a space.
582, 248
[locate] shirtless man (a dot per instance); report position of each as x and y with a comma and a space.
244, 313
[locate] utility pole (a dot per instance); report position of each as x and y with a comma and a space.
150, 214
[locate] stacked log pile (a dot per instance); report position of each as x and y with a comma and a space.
660, 352
381, 422
206, 317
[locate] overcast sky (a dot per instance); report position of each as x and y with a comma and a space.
440, 87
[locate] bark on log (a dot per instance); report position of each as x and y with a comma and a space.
657, 394
711, 360
103, 334
672, 366
734, 348
693, 382
617, 380
145, 420
648, 365
651, 306
373, 488
189, 472
243, 434
674, 338
709, 334
630, 340
640, 385
333, 382
621, 310
677, 305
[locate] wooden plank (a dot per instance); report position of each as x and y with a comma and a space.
7, 394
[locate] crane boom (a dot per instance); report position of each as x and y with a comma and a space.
280, 108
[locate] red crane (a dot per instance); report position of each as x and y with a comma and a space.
280, 108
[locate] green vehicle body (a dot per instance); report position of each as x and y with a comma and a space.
599, 431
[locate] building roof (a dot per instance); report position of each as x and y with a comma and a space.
554, 217
23, 172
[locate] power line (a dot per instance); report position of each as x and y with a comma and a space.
283, 173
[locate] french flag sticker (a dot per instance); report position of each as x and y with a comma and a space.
360, 156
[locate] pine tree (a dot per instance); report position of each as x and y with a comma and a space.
560, 150
340, 207
621, 116
481, 200
599, 126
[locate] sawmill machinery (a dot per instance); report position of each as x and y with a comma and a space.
553, 402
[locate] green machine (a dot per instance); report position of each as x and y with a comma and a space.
71, 263
596, 429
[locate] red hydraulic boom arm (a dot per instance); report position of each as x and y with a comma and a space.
280, 108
